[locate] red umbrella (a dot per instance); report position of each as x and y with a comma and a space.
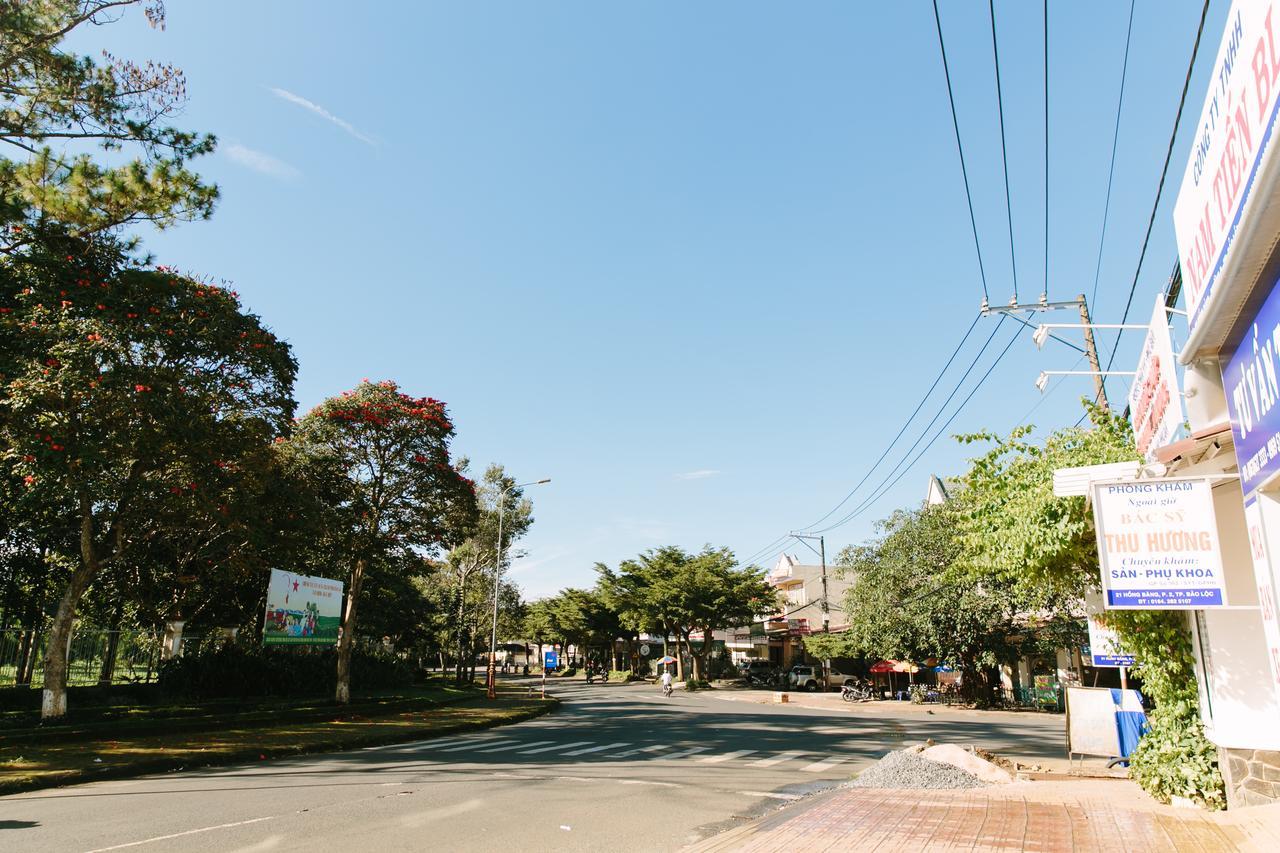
667, 659
883, 666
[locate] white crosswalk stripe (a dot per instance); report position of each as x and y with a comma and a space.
658, 747
825, 764
777, 759
554, 746
515, 745
683, 753
726, 756
599, 748
478, 743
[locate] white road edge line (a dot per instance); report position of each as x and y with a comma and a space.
555, 746
825, 764
182, 834
777, 759
770, 794
515, 745
725, 756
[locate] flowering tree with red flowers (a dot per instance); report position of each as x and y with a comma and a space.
401, 490
123, 388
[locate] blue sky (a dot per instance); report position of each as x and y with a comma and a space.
696, 262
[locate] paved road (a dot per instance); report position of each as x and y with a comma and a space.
617, 768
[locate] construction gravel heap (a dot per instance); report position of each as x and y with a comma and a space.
928, 766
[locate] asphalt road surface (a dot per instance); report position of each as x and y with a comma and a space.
616, 768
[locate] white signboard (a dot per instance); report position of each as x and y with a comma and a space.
1104, 646
1154, 402
1091, 722
1231, 140
1266, 586
1158, 545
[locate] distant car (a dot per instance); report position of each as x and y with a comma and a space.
805, 677
756, 670
809, 677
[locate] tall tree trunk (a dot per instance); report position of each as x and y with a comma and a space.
343, 693
107, 672
53, 702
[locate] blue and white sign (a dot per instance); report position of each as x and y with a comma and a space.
1158, 545
1104, 646
550, 660
1251, 379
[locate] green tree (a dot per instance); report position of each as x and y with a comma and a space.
469, 566
906, 603
400, 490
683, 593
54, 105
124, 387
1014, 527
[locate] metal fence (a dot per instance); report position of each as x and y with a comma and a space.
96, 656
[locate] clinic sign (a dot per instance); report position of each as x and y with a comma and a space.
1231, 141
1104, 647
1158, 545
1251, 379
1155, 404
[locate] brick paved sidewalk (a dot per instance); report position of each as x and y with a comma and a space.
1085, 815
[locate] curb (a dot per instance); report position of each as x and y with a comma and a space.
170, 765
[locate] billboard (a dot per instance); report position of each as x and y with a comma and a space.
302, 610
1155, 403
1252, 385
1231, 140
1158, 545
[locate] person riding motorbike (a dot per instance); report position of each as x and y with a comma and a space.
666, 682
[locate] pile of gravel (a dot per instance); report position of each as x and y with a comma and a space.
907, 769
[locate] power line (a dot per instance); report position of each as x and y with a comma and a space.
781, 540
955, 123
1173, 135
883, 489
1046, 151
905, 424
1004, 154
1111, 172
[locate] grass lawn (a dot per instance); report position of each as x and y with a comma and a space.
34, 758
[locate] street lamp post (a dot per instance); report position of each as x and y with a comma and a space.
492, 670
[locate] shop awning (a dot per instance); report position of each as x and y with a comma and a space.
894, 666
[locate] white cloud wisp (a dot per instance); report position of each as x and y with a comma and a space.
701, 474
312, 106
259, 162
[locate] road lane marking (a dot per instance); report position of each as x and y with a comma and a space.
599, 748
655, 748
429, 742
555, 746
682, 754
825, 764
182, 834
725, 756
515, 745
777, 759
478, 743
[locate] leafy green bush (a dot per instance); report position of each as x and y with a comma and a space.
231, 670
568, 672
696, 684
1174, 758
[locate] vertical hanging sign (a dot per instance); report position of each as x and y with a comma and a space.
1155, 403
1266, 586
1158, 545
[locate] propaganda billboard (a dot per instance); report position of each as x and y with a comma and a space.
302, 610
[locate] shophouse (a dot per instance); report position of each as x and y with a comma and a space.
1197, 527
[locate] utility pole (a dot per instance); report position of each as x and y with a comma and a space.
826, 601
1015, 308
1091, 350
